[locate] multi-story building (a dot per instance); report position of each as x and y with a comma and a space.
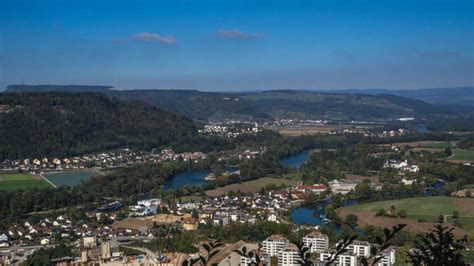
273, 244
388, 258
316, 241
344, 259
288, 256
360, 248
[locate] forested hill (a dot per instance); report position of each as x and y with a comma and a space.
196, 104
348, 106
218, 106
59, 123
290, 104
461, 96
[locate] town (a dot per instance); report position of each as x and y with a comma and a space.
100, 232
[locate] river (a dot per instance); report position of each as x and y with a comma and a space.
296, 160
197, 177
421, 128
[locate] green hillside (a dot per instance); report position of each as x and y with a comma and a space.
219, 106
198, 105
58, 123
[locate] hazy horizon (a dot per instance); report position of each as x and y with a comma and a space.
238, 45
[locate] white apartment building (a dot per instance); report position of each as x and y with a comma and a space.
273, 244
316, 241
345, 259
360, 248
388, 257
289, 256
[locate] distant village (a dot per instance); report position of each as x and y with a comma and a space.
115, 159
230, 128
107, 160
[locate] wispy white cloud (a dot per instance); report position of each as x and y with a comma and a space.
236, 34
154, 37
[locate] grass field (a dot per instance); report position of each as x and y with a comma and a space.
428, 208
442, 145
252, 186
459, 154
21, 181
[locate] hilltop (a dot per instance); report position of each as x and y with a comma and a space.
339, 105
59, 123
461, 96
50, 88
290, 104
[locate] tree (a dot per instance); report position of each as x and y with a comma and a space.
43, 256
455, 214
195, 214
381, 212
352, 220
341, 248
448, 152
402, 213
253, 257
103, 219
382, 244
303, 253
438, 247
212, 248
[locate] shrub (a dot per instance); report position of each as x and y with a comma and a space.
457, 223
402, 213
352, 219
381, 212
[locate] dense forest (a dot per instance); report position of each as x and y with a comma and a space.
198, 105
290, 104
58, 124
218, 106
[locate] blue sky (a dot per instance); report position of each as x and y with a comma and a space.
238, 45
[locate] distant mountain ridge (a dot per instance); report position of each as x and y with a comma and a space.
48, 88
462, 96
331, 105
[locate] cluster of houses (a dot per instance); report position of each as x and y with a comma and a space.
230, 129
283, 122
120, 158
370, 133
393, 133
401, 166
47, 230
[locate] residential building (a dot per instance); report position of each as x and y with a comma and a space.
289, 256
360, 248
316, 188
316, 241
344, 259
388, 258
273, 244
